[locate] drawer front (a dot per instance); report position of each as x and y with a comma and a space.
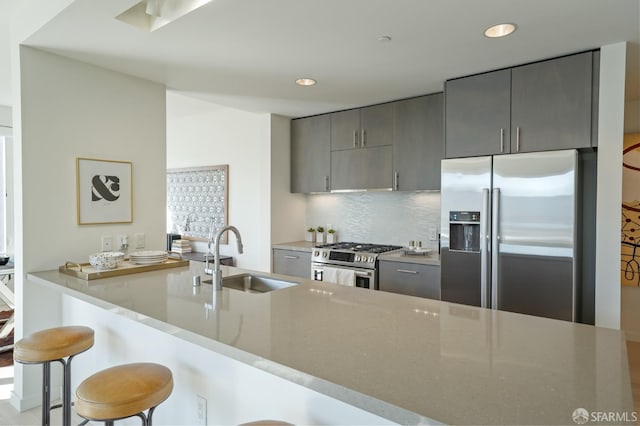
410, 279
291, 262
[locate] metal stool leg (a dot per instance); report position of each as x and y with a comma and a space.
149, 414
66, 391
46, 394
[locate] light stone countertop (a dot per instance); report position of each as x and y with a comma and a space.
295, 246
389, 354
432, 258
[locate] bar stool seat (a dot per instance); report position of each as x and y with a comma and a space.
124, 391
53, 344
59, 344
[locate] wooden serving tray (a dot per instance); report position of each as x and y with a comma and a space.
88, 272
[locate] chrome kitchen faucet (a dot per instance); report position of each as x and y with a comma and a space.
216, 273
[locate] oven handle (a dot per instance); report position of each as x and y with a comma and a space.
358, 271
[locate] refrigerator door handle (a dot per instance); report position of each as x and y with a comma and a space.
485, 232
495, 240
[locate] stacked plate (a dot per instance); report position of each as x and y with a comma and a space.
148, 257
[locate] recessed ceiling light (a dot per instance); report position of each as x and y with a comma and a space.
384, 39
305, 82
500, 30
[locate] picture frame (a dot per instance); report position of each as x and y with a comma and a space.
103, 191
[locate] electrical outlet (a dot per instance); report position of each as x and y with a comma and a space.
433, 234
123, 242
202, 410
107, 243
139, 237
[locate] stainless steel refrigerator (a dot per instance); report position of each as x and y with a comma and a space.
508, 229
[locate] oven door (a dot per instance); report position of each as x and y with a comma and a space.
344, 275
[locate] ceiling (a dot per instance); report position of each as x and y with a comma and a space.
248, 53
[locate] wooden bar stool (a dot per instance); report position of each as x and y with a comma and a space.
46, 346
124, 391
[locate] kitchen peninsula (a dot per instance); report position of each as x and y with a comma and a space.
318, 353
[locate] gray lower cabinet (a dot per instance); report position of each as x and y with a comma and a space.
418, 143
413, 279
365, 168
311, 154
292, 262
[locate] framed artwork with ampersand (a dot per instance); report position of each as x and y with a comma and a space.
103, 191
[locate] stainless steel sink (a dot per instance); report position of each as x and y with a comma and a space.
254, 283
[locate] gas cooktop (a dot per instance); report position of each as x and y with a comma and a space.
360, 247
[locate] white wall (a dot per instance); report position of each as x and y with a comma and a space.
78, 110
6, 131
287, 210
5, 116
610, 135
200, 133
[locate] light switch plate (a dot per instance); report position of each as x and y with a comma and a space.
202, 410
433, 234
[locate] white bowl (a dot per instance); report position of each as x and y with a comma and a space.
106, 260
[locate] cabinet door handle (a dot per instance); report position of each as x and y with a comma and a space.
517, 139
406, 271
363, 136
502, 139
355, 138
395, 181
290, 257
326, 183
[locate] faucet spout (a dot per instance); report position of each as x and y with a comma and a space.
216, 273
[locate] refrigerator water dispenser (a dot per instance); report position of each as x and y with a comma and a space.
464, 231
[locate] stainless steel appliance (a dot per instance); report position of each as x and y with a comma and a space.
508, 229
347, 263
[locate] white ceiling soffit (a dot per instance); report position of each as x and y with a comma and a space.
149, 15
247, 54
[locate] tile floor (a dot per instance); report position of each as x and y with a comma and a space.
633, 352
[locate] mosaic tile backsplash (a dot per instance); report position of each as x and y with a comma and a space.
378, 217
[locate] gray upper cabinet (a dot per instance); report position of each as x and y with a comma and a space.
376, 125
362, 128
361, 148
345, 129
551, 104
542, 106
311, 154
478, 115
418, 143
366, 168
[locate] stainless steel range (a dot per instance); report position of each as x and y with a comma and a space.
353, 264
